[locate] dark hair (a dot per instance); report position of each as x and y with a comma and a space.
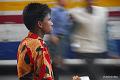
34, 12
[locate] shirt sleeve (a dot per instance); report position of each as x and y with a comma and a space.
24, 58
43, 69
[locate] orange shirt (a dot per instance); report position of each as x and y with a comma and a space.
33, 59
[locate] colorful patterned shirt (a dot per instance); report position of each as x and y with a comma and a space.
33, 59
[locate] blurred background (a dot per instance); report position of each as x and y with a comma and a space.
85, 39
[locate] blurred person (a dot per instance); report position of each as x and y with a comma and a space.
89, 37
33, 58
58, 40
90, 29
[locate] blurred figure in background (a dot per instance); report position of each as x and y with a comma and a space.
58, 41
89, 36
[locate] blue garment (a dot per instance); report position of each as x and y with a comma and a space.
61, 21
62, 27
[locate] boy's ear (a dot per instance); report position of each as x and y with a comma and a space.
39, 24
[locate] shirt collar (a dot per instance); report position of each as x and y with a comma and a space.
33, 35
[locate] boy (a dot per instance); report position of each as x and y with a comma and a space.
33, 58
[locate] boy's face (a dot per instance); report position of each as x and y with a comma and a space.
47, 24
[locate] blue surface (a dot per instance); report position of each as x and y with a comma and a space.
114, 47
8, 50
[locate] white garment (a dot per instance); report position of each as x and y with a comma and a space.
90, 30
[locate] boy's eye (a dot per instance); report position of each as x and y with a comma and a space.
49, 18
